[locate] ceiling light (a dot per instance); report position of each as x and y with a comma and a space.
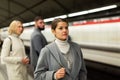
102, 9
51, 19
92, 10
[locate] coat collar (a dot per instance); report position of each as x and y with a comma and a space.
56, 54
15, 35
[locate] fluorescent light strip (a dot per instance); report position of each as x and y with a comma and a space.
26, 24
45, 20
92, 11
75, 14
102, 9
51, 19
29, 23
48, 19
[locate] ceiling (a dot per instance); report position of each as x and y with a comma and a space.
26, 10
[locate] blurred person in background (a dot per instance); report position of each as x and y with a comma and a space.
62, 59
38, 40
13, 53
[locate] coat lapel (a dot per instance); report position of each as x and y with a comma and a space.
55, 52
76, 61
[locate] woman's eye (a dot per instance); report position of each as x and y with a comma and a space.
60, 28
66, 27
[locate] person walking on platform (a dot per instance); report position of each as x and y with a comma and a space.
38, 41
13, 53
62, 59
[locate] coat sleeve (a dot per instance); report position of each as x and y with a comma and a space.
5, 53
42, 72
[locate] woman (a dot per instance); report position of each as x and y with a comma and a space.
13, 53
61, 59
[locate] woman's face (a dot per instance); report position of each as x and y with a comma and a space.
19, 28
61, 32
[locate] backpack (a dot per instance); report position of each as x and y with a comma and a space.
10, 44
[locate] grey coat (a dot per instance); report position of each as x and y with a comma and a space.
38, 41
51, 60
